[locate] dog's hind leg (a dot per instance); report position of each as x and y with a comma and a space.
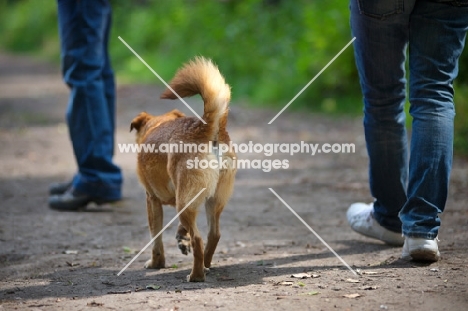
188, 219
155, 220
213, 212
214, 207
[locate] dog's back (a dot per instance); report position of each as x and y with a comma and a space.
199, 76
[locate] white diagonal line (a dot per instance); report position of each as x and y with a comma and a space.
160, 232
162, 80
312, 230
313, 79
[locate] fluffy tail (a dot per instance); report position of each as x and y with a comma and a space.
201, 76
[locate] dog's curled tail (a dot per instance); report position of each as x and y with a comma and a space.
201, 76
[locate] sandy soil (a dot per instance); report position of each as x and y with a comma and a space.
52, 260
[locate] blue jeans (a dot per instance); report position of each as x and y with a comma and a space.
84, 32
410, 191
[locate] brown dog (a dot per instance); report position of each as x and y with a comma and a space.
167, 177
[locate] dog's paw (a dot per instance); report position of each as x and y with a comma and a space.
153, 264
184, 245
193, 278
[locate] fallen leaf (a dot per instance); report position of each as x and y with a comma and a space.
313, 293
286, 283
153, 286
107, 282
72, 264
369, 287
127, 249
352, 296
352, 281
94, 304
370, 272
301, 284
301, 275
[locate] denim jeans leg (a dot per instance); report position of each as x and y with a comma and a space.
437, 36
84, 27
381, 31
109, 78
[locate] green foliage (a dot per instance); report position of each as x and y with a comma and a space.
28, 25
268, 52
461, 124
267, 49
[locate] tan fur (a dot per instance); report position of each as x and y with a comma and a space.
167, 179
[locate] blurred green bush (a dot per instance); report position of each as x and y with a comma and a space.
267, 49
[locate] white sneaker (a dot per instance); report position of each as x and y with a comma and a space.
420, 249
361, 219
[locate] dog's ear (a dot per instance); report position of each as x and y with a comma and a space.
176, 113
139, 121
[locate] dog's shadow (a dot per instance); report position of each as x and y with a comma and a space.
98, 281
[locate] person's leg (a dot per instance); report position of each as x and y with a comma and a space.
437, 36
90, 116
108, 75
381, 31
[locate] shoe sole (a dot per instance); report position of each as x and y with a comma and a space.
392, 242
425, 255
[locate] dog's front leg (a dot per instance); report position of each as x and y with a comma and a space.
155, 220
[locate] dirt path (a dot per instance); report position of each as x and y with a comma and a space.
69, 261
